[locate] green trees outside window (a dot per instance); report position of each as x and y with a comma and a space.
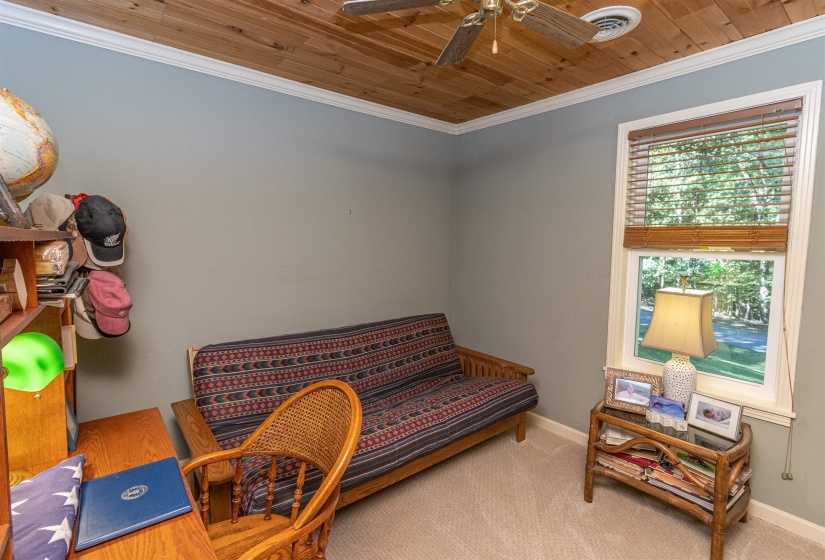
741, 309
734, 177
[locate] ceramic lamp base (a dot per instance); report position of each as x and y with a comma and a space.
679, 379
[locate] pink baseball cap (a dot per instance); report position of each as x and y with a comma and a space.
111, 302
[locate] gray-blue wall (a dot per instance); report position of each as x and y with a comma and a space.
535, 219
250, 213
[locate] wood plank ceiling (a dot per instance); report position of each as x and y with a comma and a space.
389, 58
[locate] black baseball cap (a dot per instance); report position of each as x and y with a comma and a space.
103, 227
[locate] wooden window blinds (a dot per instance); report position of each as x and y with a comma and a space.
724, 181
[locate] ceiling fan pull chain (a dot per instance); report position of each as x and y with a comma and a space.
495, 36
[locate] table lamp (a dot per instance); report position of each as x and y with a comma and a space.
682, 324
33, 360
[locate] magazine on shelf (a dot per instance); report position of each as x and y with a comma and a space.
667, 467
706, 471
694, 463
632, 458
663, 476
613, 435
655, 455
698, 500
617, 463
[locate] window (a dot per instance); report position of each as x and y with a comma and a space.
719, 194
747, 311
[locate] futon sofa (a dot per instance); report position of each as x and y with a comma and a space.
424, 399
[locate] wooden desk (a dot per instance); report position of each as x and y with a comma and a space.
122, 442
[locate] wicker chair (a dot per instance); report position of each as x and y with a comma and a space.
318, 426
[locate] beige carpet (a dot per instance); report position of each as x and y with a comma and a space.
503, 500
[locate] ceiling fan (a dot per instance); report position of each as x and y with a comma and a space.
551, 22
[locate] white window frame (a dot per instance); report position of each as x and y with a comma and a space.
710, 383
776, 407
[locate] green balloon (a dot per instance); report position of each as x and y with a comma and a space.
33, 360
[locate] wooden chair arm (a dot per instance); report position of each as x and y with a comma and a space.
211, 459
478, 364
200, 440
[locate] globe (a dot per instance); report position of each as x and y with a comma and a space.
28, 149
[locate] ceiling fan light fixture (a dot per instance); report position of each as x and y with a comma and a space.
555, 24
613, 22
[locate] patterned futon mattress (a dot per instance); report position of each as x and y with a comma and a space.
406, 372
399, 429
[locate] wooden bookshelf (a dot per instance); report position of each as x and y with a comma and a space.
18, 244
17, 323
728, 464
26, 426
19, 234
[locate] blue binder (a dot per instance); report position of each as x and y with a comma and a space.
121, 503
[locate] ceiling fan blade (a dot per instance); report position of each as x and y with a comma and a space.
560, 26
459, 44
365, 7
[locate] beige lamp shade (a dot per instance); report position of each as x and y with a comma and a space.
682, 323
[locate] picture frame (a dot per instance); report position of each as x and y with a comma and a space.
701, 438
667, 412
72, 427
714, 415
630, 390
667, 407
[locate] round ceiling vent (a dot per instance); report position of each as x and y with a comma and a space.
613, 22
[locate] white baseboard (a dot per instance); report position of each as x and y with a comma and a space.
576, 436
787, 521
770, 514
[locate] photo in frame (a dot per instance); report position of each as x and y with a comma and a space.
715, 416
707, 440
72, 427
667, 412
630, 390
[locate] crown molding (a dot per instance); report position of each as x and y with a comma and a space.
770, 40
58, 26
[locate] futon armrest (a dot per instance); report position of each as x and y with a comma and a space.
478, 364
200, 439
